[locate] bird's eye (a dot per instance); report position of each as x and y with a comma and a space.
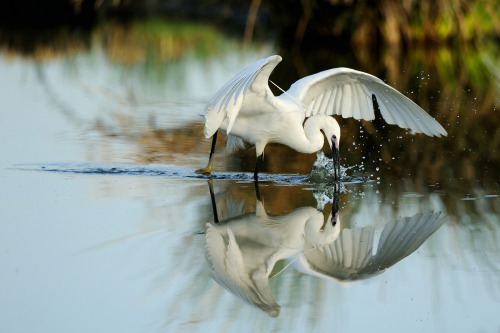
334, 137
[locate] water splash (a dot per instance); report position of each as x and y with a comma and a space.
323, 172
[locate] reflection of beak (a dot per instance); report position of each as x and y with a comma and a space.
336, 159
335, 207
335, 204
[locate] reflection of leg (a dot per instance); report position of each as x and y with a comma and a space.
257, 191
208, 169
256, 170
212, 197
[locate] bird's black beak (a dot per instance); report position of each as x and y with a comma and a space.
336, 157
336, 162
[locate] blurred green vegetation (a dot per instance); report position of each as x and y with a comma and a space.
159, 45
158, 41
405, 23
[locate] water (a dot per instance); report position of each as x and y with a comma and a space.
103, 220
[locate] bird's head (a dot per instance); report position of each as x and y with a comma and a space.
319, 232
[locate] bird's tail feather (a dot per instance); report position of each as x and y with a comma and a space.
234, 143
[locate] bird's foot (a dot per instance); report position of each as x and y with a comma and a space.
205, 171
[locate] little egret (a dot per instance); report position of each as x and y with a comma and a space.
246, 108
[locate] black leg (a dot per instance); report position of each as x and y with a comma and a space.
208, 169
212, 149
257, 162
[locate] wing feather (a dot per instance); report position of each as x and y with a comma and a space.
367, 104
352, 91
325, 97
350, 257
401, 238
228, 269
227, 102
343, 258
338, 99
356, 108
331, 100
346, 105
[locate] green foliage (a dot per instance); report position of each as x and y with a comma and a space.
453, 21
159, 40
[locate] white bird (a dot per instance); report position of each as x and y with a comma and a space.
246, 108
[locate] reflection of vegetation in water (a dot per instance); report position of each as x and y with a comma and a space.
154, 48
44, 45
158, 41
157, 49
153, 43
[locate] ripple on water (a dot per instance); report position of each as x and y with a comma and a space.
412, 195
322, 172
469, 198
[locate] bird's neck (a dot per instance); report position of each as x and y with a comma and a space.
312, 139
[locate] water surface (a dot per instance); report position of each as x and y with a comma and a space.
103, 220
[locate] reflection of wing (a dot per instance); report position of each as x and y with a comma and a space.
228, 100
229, 270
350, 257
347, 92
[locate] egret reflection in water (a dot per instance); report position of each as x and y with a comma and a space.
243, 248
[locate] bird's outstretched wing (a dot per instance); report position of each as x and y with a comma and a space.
229, 270
227, 102
350, 256
347, 92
